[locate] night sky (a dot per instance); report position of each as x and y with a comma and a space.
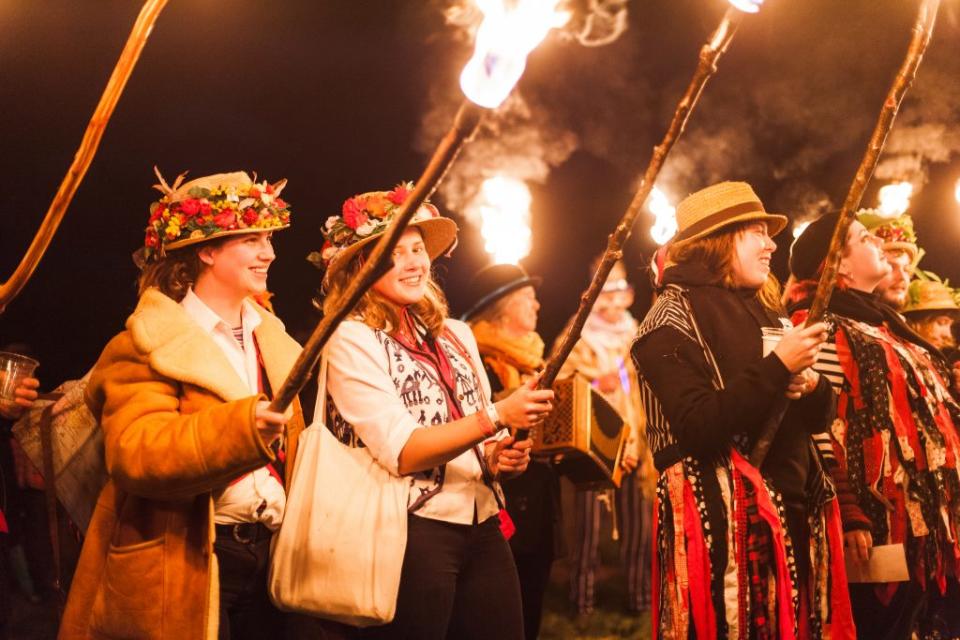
344, 96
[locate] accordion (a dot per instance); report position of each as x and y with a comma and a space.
584, 436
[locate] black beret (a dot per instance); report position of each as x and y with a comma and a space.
809, 251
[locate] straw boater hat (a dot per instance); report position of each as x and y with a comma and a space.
720, 205
493, 283
929, 293
210, 207
365, 216
897, 233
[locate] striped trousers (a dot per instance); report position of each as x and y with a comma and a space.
634, 515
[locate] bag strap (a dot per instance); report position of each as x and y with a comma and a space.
320, 410
50, 493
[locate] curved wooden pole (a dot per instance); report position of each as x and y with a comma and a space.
922, 32
84, 156
707, 67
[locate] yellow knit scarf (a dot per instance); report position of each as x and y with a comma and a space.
509, 358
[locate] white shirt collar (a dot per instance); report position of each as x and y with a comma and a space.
208, 319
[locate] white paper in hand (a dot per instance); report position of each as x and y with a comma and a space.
887, 563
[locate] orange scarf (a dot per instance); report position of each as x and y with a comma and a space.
510, 358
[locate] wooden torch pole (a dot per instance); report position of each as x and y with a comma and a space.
707, 67
464, 125
84, 156
922, 32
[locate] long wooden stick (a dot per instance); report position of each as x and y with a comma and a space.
464, 125
707, 67
922, 32
84, 156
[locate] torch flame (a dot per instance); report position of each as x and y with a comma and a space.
665, 223
799, 227
895, 199
747, 6
509, 32
505, 215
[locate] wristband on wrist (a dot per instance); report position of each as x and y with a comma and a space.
487, 426
494, 416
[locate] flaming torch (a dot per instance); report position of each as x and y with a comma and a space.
922, 32
505, 216
895, 199
84, 156
710, 54
504, 40
665, 214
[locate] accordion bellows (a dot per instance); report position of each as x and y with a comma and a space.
584, 436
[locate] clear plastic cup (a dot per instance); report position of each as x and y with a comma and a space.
771, 338
13, 369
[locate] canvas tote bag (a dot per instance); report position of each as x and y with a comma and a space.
340, 549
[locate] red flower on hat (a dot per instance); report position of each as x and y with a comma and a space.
152, 240
353, 214
157, 212
190, 207
249, 216
204, 208
254, 192
399, 194
226, 219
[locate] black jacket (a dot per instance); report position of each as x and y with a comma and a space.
704, 421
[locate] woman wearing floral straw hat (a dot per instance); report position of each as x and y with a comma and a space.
179, 541
406, 382
931, 310
740, 552
893, 449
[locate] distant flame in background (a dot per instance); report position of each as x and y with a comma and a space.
747, 6
509, 32
798, 228
505, 219
895, 199
665, 223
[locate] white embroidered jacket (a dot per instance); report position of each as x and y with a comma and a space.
379, 394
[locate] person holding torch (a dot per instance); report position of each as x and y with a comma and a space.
179, 541
893, 450
407, 382
739, 551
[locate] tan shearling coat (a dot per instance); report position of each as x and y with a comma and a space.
178, 423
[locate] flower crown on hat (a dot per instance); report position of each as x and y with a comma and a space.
362, 216
210, 207
899, 229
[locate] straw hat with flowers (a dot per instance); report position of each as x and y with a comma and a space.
210, 207
719, 206
365, 216
897, 233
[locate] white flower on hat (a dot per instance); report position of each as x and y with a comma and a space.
366, 228
328, 253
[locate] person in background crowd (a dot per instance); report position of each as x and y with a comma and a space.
603, 355
12, 558
739, 552
931, 310
178, 545
899, 245
407, 382
893, 449
504, 322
